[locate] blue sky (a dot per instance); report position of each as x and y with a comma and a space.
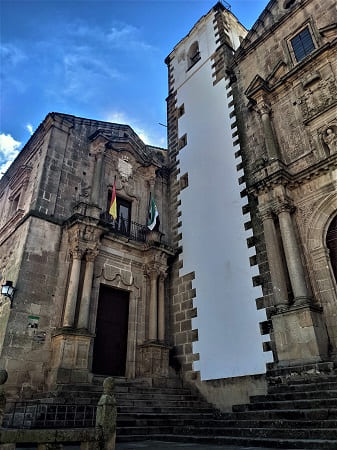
97, 59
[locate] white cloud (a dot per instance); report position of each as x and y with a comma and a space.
121, 117
119, 36
30, 128
11, 55
9, 150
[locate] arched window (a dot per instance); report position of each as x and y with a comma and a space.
331, 242
193, 55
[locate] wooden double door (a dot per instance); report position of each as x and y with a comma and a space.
110, 345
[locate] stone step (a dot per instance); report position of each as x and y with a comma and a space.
294, 396
319, 369
282, 433
138, 403
307, 444
162, 409
158, 397
290, 414
308, 387
294, 405
211, 422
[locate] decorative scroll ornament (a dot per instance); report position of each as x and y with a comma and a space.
112, 273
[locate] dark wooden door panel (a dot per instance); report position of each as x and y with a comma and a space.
110, 344
331, 240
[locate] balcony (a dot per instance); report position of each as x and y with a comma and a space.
124, 227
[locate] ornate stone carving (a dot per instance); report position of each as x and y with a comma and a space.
318, 97
283, 206
124, 168
76, 252
329, 137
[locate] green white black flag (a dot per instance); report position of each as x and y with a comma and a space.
153, 219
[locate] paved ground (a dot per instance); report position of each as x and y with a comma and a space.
158, 445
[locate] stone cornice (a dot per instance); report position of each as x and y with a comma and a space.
32, 213
260, 84
283, 176
242, 51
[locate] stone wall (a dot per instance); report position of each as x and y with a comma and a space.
223, 393
26, 349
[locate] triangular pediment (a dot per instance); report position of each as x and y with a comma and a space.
257, 84
277, 73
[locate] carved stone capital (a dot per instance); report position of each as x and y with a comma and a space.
152, 271
265, 213
76, 252
91, 254
284, 206
263, 108
162, 276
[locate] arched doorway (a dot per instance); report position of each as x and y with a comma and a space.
331, 242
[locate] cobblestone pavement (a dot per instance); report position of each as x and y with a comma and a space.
158, 445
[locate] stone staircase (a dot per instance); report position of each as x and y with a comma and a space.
297, 413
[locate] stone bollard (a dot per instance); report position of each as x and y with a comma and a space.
3, 379
107, 414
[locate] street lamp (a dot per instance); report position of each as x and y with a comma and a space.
8, 290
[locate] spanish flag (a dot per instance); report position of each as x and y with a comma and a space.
113, 204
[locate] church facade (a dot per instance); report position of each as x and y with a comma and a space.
90, 290
83, 278
284, 80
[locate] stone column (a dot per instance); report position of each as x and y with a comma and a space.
293, 256
83, 318
153, 310
276, 266
97, 178
161, 308
272, 148
69, 312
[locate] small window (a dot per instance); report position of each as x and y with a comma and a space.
15, 204
182, 141
302, 44
288, 3
181, 110
193, 55
183, 182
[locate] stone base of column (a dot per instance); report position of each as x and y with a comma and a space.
153, 360
300, 336
70, 357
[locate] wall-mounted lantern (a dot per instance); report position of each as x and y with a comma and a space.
8, 290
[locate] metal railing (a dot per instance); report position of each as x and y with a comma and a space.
49, 415
124, 227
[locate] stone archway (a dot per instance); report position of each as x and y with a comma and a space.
323, 280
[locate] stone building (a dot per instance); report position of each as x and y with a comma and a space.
83, 280
90, 291
284, 83
206, 206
